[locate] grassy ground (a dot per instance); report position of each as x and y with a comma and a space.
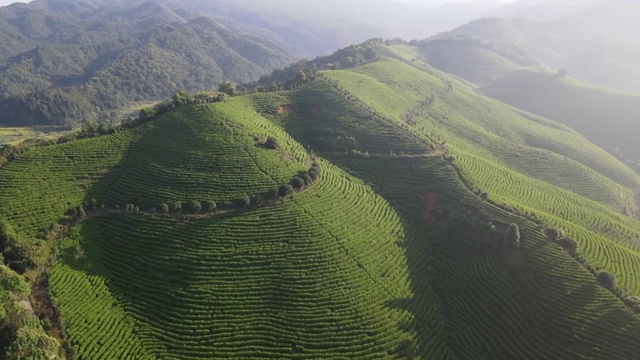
14, 135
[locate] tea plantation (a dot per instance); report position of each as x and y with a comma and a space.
382, 212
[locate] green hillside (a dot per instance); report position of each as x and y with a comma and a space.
382, 211
606, 118
473, 63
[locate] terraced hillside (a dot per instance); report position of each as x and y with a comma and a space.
543, 172
606, 118
473, 63
385, 211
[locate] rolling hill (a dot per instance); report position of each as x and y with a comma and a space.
421, 220
605, 117
597, 45
477, 64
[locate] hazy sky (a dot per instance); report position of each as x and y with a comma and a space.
7, 2
420, 2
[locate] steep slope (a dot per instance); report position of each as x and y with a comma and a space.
463, 233
473, 63
606, 118
419, 227
320, 270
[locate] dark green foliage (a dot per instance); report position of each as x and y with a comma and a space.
313, 175
285, 190
272, 193
209, 206
271, 143
307, 179
484, 196
193, 207
81, 211
176, 207
554, 234
568, 244
607, 280
164, 208
305, 70
512, 237
242, 202
100, 79
256, 200
297, 183
228, 88
632, 302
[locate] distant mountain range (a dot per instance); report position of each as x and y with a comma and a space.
596, 45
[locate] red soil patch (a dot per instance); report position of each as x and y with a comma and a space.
429, 205
285, 108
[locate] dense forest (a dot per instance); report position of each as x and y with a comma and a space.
79, 70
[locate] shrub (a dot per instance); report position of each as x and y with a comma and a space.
554, 234
313, 175
285, 190
176, 206
164, 208
297, 183
193, 207
243, 202
271, 143
307, 179
228, 88
607, 280
272, 193
81, 211
209, 206
512, 237
633, 302
568, 244
484, 196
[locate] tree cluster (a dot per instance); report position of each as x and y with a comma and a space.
70, 83
305, 71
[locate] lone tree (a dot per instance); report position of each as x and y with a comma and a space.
607, 280
297, 183
512, 237
271, 143
209, 206
313, 174
569, 245
272, 193
554, 234
243, 202
285, 190
177, 206
193, 207
164, 208
563, 73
